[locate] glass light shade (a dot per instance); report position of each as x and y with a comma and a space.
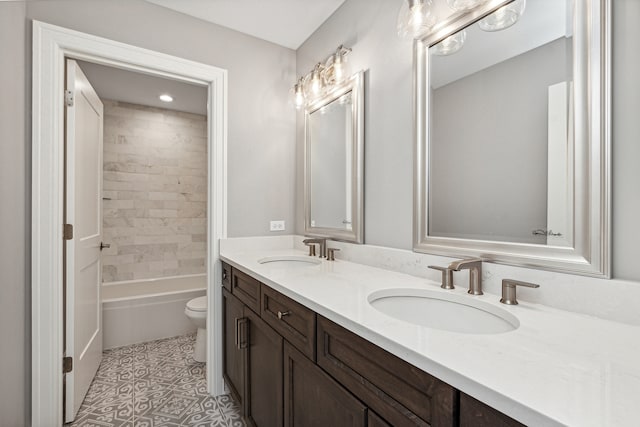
451, 44
337, 68
296, 95
415, 18
314, 85
461, 5
504, 17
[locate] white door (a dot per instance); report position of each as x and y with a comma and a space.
83, 204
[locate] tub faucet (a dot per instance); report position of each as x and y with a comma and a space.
322, 245
474, 265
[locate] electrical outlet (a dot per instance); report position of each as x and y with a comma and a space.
276, 225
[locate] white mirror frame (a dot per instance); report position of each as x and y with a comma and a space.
590, 254
355, 85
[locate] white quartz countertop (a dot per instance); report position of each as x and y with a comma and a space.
557, 368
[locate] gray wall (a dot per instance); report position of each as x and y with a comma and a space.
261, 140
15, 168
489, 182
368, 26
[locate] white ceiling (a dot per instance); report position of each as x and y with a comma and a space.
285, 22
137, 88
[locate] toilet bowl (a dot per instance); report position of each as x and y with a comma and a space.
196, 310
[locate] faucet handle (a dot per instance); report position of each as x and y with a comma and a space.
509, 290
312, 248
447, 276
331, 254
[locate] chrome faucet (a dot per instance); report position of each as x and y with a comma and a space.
474, 265
322, 246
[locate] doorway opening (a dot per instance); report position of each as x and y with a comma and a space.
52, 45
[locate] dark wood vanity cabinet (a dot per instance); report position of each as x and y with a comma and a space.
295, 322
246, 289
252, 363
288, 366
233, 355
397, 391
314, 399
474, 413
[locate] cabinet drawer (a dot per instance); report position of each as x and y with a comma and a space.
313, 399
396, 390
226, 276
246, 289
295, 322
474, 413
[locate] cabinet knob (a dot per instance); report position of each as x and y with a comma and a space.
282, 314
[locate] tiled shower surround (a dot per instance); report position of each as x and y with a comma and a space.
155, 189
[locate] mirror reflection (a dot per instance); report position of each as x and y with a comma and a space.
334, 163
500, 159
331, 171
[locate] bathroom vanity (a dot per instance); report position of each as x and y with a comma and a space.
287, 365
304, 345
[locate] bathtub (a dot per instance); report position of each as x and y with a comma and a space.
136, 311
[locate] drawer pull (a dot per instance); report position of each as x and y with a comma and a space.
282, 314
241, 333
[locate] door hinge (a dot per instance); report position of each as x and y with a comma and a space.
68, 98
67, 365
68, 232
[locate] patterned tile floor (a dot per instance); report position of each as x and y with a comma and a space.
154, 384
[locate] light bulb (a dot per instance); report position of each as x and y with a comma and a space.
451, 44
415, 18
337, 67
296, 95
462, 5
314, 86
504, 17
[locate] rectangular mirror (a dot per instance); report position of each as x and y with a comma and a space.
512, 105
334, 163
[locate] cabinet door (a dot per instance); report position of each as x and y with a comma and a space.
313, 399
264, 374
233, 353
474, 413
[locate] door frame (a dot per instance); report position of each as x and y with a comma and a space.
51, 44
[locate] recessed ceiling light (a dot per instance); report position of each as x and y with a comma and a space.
166, 98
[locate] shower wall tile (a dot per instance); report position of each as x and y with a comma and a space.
155, 190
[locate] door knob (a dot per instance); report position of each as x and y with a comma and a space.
104, 245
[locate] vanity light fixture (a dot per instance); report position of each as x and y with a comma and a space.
322, 79
314, 86
451, 44
504, 17
165, 97
415, 18
337, 66
296, 94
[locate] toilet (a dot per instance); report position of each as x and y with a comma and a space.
196, 310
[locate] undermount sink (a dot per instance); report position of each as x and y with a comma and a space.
290, 261
446, 311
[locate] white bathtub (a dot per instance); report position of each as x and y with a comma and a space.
136, 311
